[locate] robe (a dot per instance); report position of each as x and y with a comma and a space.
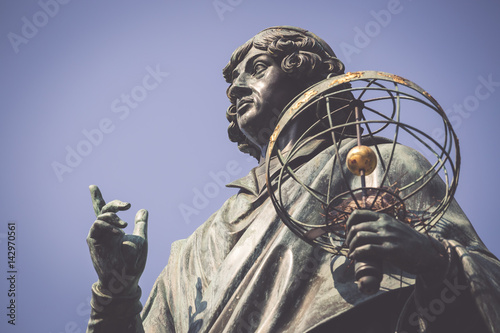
243, 270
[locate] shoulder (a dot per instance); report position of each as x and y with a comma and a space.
400, 151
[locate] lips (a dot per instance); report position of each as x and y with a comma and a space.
243, 102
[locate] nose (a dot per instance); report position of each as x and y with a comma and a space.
239, 88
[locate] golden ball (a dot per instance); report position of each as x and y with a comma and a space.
361, 158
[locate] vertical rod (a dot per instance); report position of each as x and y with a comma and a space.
368, 273
358, 125
358, 136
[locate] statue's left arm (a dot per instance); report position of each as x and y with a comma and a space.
457, 277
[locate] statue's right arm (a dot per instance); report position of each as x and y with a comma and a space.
119, 261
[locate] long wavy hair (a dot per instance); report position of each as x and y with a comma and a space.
301, 54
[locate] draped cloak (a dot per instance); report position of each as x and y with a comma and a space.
243, 270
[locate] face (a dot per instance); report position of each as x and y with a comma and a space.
261, 90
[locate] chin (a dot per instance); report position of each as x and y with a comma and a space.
246, 117
255, 124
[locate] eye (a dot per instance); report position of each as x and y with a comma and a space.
259, 67
234, 75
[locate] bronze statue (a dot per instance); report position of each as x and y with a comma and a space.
244, 271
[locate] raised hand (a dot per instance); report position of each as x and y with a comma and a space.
118, 258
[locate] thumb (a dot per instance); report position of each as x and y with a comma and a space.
141, 224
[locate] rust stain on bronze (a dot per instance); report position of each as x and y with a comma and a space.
307, 96
274, 136
395, 78
347, 77
426, 94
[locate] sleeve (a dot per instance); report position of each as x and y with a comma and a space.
465, 299
465, 295
112, 314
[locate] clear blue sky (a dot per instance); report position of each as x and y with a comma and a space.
67, 68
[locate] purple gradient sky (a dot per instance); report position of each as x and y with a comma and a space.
66, 77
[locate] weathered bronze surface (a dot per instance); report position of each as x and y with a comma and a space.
244, 271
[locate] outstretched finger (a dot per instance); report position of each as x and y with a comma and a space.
115, 206
141, 224
97, 200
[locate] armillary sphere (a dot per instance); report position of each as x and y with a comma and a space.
363, 120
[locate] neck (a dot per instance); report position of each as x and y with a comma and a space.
287, 139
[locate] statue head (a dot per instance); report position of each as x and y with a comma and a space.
265, 73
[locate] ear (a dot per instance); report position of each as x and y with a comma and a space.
301, 64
